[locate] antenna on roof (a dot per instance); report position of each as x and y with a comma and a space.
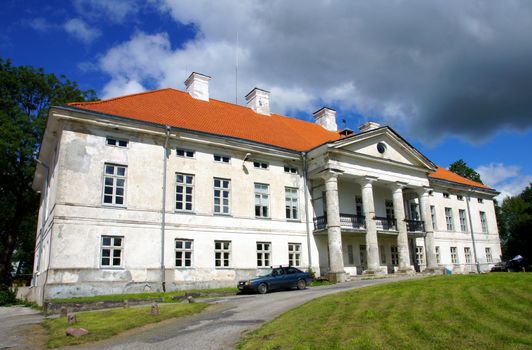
236, 69
344, 122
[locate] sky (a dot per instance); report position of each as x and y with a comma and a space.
452, 77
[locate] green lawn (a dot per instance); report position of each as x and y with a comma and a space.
106, 323
489, 311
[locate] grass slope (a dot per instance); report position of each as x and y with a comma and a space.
104, 324
492, 311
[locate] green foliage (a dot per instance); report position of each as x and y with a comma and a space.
516, 219
26, 93
7, 296
461, 168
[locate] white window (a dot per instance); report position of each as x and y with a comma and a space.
395, 255
359, 207
184, 192
438, 259
414, 211
222, 253
350, 254
260, 165
382, 254
489, 257
420, 256
480, 200
467, 255
183, 252
262, 199
433, 216
185, 153
389, 210
484, 222
463, 221
294, 254
112, 251
222, 192
290, 170
221, 158
291, 203
114, 184
449, 219
454, 255
263, 254
111, 141
446, 195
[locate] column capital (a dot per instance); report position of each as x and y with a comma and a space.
329, 173
367, 180
423, 191
398, 185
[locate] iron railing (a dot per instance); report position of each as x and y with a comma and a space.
385, 224
348, 221
415, 225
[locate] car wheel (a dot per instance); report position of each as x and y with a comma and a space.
301, 284
262, 288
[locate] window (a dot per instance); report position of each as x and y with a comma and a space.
438, 259
114, 184
263, 254
395, 255
420, 258
260, 165
484, 222
433, 216
480, 200
459, 197
454, 255
111, 141
262, 199
222, 188
449, 219
350, 254
290, 170
184, 191
184, 153
112, 251
489, 257
291, 203
183, 252
383, 255
294, 254
222, 253
467, 255
359, 208
363, 260
463, 221
446, 195
222, 159
389, 210
414, 211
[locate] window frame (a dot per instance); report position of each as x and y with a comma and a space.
112, 248
185, 153
291, 170
262, 195
483, 221
117, 142
467, 255
489, 255
264, 254
225, 254
291, 194
394, 251
437, 253
261, 165
184, 194
222, 190
463, 220
115, 177
184, 250
223, 159
454, 255
449, 219
433, 217
420, 255
294, 254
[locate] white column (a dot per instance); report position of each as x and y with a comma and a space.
334, 233
424, 205
372, 244
402, 237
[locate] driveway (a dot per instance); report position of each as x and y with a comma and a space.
222, 324
20, 329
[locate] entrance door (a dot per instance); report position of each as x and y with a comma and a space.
363, 258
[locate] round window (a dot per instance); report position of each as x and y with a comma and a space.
381, 147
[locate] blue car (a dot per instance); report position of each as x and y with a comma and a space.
276, 278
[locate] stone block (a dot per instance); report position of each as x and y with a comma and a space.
72, 318
76, 332
154, 309
63, 312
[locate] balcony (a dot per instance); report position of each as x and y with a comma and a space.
347, 221
385, 223
415, 226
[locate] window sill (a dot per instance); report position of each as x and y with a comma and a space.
221, 214
262, 218
186, 212
293, 220
223, 268
117, 268
112, 206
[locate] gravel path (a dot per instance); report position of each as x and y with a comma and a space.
20, 329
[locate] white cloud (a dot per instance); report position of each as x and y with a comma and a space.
506, 179
118, 87
81, 31
113, 10
41, 24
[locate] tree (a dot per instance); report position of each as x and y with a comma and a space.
26, 94
461, 168
517, 220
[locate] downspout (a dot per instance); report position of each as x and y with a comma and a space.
163, 216
45, 199
472, 233
305, 189
43, 215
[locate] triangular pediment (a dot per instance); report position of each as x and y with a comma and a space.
384, 144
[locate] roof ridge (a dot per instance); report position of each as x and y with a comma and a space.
479, 184
84, 103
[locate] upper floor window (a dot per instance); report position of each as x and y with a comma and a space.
260, 165
446, 195
484, 222
111, 251
291, 203
221, 159
433, 216
290, 170
390, 215
480, 200
183, 252
449, 219
114, 184
262, 200
459, 197
463, 221
185, 153
111, 141
184, 192
222, 188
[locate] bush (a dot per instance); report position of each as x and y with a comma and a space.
7, 296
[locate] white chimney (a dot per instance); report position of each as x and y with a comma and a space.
326, 117
197, 85
259, 101
369, 126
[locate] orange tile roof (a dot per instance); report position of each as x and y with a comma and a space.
178, 109
444, 174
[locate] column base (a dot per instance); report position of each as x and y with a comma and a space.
374, 272
432, 270
407, 270
336, 277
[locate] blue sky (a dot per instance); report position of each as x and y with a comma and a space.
454, 78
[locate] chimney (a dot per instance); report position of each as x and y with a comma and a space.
326, 117
259, 101
369, 126
197, 86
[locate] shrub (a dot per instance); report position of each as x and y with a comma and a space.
7, 296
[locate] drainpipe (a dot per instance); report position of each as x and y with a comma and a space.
305, 189
163, 216
43, 219
468, 198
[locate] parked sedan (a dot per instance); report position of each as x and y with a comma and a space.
276, 278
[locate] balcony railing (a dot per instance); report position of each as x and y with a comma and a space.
415, 226
348, 221
385, 224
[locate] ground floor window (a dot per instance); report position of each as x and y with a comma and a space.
183, 252
395, 255
112, 251
363, 261
438, 259
454, 255
383, 255
263, 254
489, 257
350, 255
420, 256
294, 254
222, 253
467, 255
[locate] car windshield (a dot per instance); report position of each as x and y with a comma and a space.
265, 272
